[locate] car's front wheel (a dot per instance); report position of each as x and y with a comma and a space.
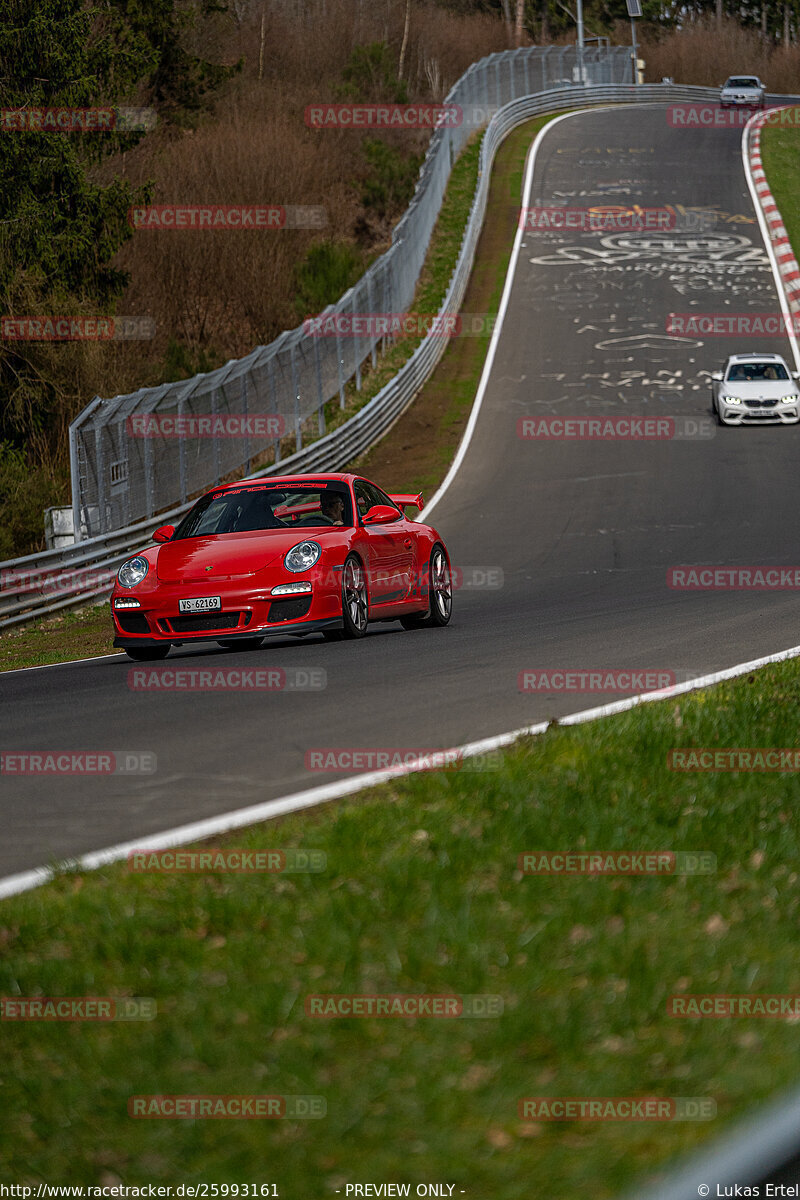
355, 598
147, 653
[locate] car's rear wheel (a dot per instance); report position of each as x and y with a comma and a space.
252, 643
440, 594
147, 653
355, 598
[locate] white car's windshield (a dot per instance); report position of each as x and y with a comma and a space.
742, 81
757, 372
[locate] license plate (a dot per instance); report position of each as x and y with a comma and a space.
202, 604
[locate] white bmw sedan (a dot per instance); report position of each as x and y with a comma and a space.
742, 91
753, 388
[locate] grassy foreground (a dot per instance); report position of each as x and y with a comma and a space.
422, 894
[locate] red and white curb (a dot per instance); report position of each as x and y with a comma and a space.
781, 247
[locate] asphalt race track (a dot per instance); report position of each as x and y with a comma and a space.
582, 531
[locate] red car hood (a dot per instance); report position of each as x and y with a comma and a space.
223, 556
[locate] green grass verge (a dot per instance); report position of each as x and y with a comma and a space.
779, 153
81, 633
421, 894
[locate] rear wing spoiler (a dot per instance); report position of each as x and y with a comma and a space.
402, 500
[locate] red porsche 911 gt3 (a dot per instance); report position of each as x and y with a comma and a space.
295, 555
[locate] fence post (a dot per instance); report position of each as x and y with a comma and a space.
149, 502
215, 439
320, 397
356, 348
75, 481
340, 365
298, 432
246, 433
271, 372
371, 303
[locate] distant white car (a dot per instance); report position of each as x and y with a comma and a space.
755, 388
742, 91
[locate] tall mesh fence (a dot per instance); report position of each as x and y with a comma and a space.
133, 456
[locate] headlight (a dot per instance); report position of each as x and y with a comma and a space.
788, 399
302, 556
133, 571
731, 400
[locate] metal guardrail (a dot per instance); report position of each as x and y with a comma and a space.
40, 584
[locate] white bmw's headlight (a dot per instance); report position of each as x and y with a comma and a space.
731, 400
788, 399
302, 556
133, 571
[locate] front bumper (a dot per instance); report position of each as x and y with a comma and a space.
738, 414
245, 612
297, 629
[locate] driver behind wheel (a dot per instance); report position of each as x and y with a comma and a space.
331, 507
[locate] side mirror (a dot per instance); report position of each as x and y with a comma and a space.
795, 374
717, 375
163, 533
381, 514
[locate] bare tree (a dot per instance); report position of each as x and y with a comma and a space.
518, 27
405, 40
507, 18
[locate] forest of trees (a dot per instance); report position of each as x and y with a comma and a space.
776, 20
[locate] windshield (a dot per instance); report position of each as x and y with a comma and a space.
742, 81
757, 372
255, 507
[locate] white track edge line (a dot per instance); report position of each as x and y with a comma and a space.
68, 662
181, 835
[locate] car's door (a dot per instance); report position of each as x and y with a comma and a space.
405, 548
389, 548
